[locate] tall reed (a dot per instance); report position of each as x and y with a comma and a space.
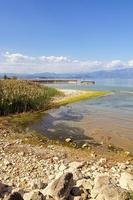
20, 96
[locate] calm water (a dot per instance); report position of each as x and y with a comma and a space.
105, 118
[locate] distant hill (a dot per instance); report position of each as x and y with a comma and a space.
119, 73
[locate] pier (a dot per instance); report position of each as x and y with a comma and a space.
68, 81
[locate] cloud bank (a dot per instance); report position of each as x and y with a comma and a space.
19, 63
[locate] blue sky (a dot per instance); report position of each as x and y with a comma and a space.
52, 35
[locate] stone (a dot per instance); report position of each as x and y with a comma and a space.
85, 183
4, 189
62, 167
38, 184
75, 197
75, 191
7, 162
68, 139
76, 165
34, 195
85, 145
18, 190
126, 181
60, 188
105, 190
15, 196
102, 161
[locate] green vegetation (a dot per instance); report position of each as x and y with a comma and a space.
80, 97
131, 195
18, 96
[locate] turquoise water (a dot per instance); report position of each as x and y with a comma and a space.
110, 115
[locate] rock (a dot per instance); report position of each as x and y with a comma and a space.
113, 193
62, 167
4, 189
15, 196
85, 196
7, 162
104, 190
85, 145
102, 161
68, 139
76, 191
34, 195
76, 165
75, 197
85, 183
60, 188
18, 190
126, 181
99, 183
38, 184
127, 153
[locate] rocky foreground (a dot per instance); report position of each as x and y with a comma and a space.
36, 173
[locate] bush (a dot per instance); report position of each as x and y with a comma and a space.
20, 96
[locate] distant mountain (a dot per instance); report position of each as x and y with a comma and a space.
119, 73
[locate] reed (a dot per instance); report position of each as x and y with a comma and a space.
18, 96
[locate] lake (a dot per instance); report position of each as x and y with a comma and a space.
107, 119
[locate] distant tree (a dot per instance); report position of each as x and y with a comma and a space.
5, 76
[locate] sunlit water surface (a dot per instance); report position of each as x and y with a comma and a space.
110, 115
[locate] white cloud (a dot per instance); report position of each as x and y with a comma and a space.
130, 63
17, 58
56, 59
20, 63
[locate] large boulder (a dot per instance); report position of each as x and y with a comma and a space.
60, 188
105, 190
126, 181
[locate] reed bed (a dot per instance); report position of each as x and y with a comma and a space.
18, 96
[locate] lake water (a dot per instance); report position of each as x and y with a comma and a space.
107, 119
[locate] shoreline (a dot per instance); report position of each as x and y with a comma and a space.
72, 96
20, 121
30, 162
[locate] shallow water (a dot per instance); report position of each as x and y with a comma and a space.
108, 118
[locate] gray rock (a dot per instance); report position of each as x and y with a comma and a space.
126, 181
60, 188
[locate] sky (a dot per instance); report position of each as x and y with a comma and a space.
65, 35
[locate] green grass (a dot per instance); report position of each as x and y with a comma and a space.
17, 96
